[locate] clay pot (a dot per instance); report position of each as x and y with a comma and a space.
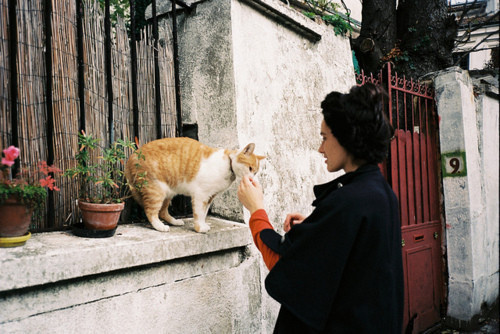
100, 216
15, 218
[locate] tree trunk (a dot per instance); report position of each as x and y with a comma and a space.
378, 33
417, 37
426, 32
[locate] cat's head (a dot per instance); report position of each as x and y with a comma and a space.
244, 162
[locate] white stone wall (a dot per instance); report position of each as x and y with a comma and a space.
251, 71
488, 234
249, 77
257, 71
469, 133
281, 78
138, 281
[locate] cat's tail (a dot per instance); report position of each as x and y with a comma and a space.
134, 180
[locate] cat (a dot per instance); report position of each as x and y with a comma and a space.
173, 166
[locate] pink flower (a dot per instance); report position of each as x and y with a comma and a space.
11, 153
7, 162
46, 169
49, 182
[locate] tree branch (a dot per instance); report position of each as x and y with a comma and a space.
475, 47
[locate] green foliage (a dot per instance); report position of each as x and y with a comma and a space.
121, 8
33, 196
327, 11
103, 181
422, 43
340, 25
117, 8
404, 57
310, 15
323, 5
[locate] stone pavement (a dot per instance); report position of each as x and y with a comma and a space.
487, 325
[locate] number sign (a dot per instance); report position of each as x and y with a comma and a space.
454, 164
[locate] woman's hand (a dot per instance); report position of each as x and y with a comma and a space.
250, 194
293, 219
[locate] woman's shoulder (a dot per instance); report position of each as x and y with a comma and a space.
366, 185
366, 188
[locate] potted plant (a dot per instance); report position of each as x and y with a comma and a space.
19, 199
102, 184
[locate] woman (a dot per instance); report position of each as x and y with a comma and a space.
340, 269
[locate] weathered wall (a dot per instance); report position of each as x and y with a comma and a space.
139, 281
469, 139
249, 77
251, 71
257, 71
282, 77
487, 256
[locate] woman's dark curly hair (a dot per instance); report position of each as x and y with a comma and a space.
358, 121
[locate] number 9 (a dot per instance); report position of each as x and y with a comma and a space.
455, 164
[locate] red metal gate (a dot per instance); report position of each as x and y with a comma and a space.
412, 170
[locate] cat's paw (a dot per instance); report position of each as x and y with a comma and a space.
201, 228
177, 222
159, 226
163, 228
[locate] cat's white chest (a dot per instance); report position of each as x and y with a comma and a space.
214, 175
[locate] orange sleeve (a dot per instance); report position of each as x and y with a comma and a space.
258, 222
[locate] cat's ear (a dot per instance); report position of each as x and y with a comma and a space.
248, 150
260, 157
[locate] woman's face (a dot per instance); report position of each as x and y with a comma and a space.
336, 155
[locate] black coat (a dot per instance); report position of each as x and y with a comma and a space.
341, 270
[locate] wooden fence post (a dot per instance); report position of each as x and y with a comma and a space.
81, 65
176, 70
47, 27
109, 70
157, 72
133, 51
13, 78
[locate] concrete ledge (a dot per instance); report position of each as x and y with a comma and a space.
289, 17
276, 10
61, 255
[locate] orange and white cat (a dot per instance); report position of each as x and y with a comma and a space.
173, 166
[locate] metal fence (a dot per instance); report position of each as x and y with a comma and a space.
412, 168
64, 68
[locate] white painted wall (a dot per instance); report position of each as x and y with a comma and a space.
250, 74
487, 256
479, 60
469, 125
280, 80
138, 281
247, 77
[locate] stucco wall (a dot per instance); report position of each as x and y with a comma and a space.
138, 281
487, 256
249, 77
251, 71
469, 133
257, 71
281, 79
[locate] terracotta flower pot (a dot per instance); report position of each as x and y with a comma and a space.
100, 216
15, 218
